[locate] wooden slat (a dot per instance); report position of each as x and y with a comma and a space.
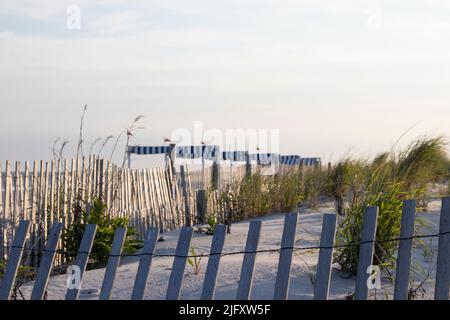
41, 235
285, 261
248, 265
101, 179
159, 203
72, 192
82, 257
16, 210
26, 195
65, 191
106, 184
179, 264
89, 178
7, 197
52, 206
45, 267
323, 275
368, 236
149, 197
2, 219
443, 259
140, 210
57, 207
209, 284
44, 215
187, 209
405, 251
156, 208
113, 263
15, 257
145, 264
84, 173
33, 243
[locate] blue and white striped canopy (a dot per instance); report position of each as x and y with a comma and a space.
210, 152
290, 160
189, 152
234, 155
148, 150
265, 158
310, 161
194, 152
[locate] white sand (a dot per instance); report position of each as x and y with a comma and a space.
304, 264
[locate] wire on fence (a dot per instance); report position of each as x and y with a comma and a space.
294, 248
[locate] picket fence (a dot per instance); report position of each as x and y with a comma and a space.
283, 277
58, 191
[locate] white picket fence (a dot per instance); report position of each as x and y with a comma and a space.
281, 290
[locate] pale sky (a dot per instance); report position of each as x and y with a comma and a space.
333, 76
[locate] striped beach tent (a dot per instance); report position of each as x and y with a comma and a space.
311, 162
235, 155
290, 160
194, 152
142, 150
265, 158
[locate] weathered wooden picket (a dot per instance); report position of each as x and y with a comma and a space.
283, 277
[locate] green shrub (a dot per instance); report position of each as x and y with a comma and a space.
345, 182
385, 182
106, 227
389, 198
285, 191
315, 183
258, 195
212, 223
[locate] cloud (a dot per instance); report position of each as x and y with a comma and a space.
118, 22
162, 57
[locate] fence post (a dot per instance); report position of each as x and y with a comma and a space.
366, 249
101, 178
113, 263
82, 258
216, 175
248, 265
187, 208
179, 264
404, 251
285, 261
202, 206
248, 165
323, 274
48, 257
171, 155
15, 257
212, 269
144, 264
443, 260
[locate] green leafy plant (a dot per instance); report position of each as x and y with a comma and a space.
212, 223
195, 261
106, 226
389, 198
